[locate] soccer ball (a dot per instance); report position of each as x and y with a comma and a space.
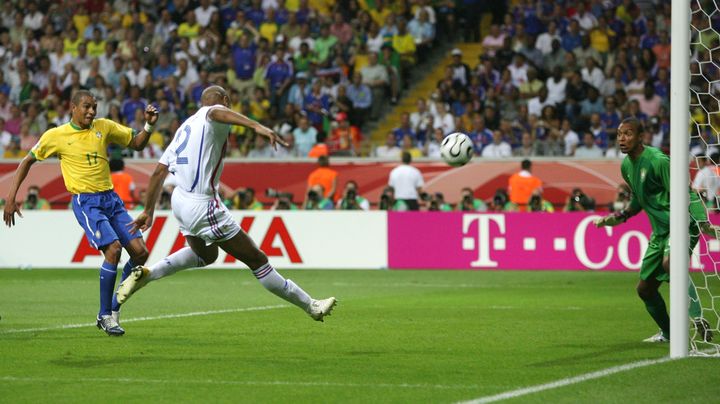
456, 149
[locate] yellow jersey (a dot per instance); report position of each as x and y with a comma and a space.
83, 153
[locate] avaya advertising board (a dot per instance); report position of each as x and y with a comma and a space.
351, 240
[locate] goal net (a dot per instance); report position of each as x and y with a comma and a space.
705, 170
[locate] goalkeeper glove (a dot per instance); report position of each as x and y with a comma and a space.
612, 220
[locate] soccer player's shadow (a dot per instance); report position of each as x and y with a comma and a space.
608, 351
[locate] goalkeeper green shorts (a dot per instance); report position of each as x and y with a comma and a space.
658, 249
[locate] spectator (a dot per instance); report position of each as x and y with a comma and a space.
404, 129
544, 41
650, 102
407, 182
493, 41
361, 97
376, 77
137, 75
499, 148
324, 45
351, 199
133, 103
289, 151
261, 148
535, 105
528, 146
460, 70
408, 145
341, 29
597, 128
588, 149
592, 74
423, 32
345, 139
431, 148
33, 200
522, 184
13, 150
390, 149
468, 202
572, 38
443, 119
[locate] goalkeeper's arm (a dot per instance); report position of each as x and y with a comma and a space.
617, 218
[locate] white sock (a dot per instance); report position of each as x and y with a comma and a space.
285, 288
182, 259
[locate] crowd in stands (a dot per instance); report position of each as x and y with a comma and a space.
315, 70
556, 79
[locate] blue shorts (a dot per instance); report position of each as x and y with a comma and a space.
103, 217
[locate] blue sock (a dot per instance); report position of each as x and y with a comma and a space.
125, 273
108, 273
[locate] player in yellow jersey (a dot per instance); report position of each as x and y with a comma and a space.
81, 145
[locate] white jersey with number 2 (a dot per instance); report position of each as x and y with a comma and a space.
195, 156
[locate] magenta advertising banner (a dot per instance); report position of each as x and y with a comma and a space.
526, 241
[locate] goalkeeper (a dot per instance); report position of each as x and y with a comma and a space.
647, 171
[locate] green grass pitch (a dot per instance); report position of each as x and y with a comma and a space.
395, 336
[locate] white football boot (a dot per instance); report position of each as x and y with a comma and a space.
321, 308
139, 277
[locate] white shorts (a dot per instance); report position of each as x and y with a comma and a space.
203, 216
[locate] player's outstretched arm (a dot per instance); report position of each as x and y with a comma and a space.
615, 218
140, 140
230, 117
11, 207
145, 219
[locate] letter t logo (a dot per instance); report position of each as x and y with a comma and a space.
483, 237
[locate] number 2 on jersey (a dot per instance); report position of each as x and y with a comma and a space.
183, 145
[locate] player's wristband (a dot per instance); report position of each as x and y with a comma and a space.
148, 128
622, 215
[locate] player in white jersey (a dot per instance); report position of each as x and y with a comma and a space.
195, 158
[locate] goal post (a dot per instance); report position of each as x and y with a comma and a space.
679, 177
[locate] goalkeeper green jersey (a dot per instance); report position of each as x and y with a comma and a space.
649, 179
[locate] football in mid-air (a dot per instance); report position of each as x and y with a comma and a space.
456, 149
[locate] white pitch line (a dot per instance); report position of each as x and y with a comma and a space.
131, 320
45, 380
566, 382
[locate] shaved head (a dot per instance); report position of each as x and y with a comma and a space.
213, 95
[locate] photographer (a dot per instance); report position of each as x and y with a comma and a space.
283, 200
351, 200
388, 201
438, 204
538, 204
33, 201
244, 199
315, 199
579, 202
622, 200
468, 202
501, 202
